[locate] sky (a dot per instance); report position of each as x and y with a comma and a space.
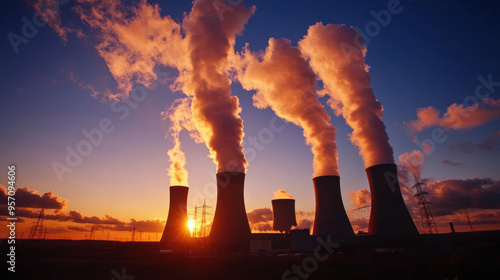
59, 83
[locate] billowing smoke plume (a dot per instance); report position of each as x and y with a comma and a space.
285, 82
338, 57
210, 36
180, 117
281, 193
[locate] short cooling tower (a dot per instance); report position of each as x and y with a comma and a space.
283, 214
330, 217
389, 216
176, 230
230, 225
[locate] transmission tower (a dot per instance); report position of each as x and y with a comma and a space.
92, 233
37, 229
468, 219
133, 234
428, 224
203, 216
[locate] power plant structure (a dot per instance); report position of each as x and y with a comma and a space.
330, 218
283, 214
389, 216
230, 226
176, 232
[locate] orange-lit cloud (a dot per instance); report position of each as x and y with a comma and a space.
260, 219
281, 193
181, 118
133, 40
361, 198
304, 219
210, 41
292, 95
60, 222
457, 116
32, 199
339, 59
410, 163
49, 11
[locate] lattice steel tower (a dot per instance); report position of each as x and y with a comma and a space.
428, 224
38, 228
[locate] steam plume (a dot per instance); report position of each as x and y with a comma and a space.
338, 58
180, 117
281, 193
210, 40
292, 95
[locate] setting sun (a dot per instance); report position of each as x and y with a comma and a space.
191, 225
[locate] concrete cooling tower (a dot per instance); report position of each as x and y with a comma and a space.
389, 216
283, 214
330, 217
230, 226
176, 230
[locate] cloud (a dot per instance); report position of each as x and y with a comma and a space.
359, 225
304, 219
49, 11
361, 198
260, 215
304, 223
32, 199
466, 147
133, 40
490, 142
449, 196
410, 163
281, 193
261, 219
451, 163
456, 116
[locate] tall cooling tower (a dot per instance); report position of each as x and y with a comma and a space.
283, 214
176, 230
330, 217
230, 225
389, 216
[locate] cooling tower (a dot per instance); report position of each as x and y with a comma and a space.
283, 214
176, 230
230, 225
389, 216
330, 217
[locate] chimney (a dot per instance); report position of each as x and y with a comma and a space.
176, 230
389, 216
230, 225
330, 217
283, 214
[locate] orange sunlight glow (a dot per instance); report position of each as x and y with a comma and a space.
191, 225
